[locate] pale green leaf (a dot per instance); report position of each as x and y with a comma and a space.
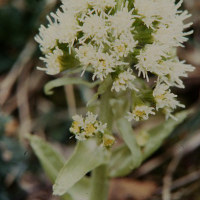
52, 162
121, 162
159, 133
87, 156
121, 158
120, 108
50, 159
128, 136
67, 81
81, 190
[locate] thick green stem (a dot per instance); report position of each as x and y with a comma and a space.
106, 115
100, 182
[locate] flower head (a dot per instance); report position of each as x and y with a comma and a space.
122, 21
173, 70
52, 62
108, 38
94, 28
165, 99
108, 140
104, 64
123, 45
68, 27
84, 128
124, 81
149, 59
47, 37
140, 113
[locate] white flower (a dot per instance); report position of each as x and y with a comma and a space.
79, 119
148, 10
122, 21
123, 46
101, 5
164, 98
76, 6
168, 113
124, 81
88, 127
94, 28
85, 54
52, 62
149, 59
47, 37
168, 10
164, 35
140, 113
101, 127
67, 32
91, 118
104, 64
172, 34
174, 70
165, 12
80, 136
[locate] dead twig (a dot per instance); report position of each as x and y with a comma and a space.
71, 100
16, 70
181, 182
167, 180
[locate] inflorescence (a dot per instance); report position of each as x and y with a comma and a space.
88, 127
126, 40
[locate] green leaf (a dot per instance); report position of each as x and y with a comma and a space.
119, 108
128, 136
52, 162
86, 157
121, 162
66, 81
102, 88
121, 158
81, 190
159, 133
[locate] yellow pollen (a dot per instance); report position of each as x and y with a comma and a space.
139, 113
162, 96
76, 127
120, 48
103, 62
108, 142
90, 129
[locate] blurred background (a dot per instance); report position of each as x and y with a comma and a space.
24, 108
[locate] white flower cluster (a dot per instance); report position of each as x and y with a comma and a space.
84, 128
123, 81
165, 99
88, 127
166, 22
100, 39
111, 36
